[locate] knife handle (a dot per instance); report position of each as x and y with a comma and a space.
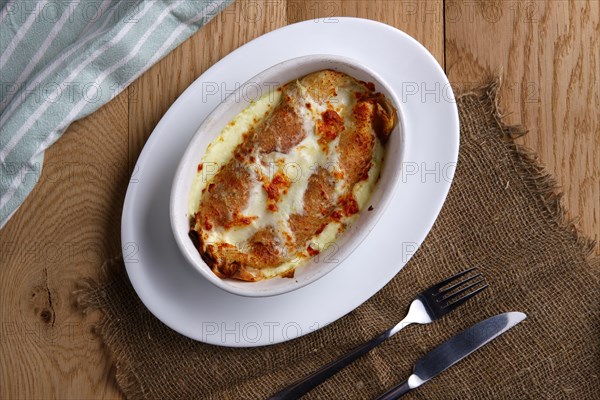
302, 386
395, 392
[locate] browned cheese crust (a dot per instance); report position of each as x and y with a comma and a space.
372, 118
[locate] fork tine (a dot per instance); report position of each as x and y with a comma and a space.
462, 291
460, 301
451, 288
451, 279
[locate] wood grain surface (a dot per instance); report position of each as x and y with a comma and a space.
546, 52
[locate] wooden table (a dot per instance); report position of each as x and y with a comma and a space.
547, 52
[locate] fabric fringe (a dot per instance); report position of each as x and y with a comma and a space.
92, 294
541, 184
89, 293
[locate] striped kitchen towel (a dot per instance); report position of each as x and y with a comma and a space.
62, 60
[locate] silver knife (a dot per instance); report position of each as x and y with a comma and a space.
454, 350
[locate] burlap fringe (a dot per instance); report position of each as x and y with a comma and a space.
90, 294
490, 91
541, 185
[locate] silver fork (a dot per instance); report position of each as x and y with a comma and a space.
430, 305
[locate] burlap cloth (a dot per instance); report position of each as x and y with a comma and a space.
502, 215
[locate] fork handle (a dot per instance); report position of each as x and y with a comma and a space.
395, 392
299, 388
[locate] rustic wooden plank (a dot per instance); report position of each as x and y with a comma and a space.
421, 20
160, 86
547, 54
65, 229
71, 221
154, 92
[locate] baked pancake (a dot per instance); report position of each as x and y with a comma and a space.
288, 175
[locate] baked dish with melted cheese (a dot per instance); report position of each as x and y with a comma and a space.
288, 175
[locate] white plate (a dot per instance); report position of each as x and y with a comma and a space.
181, 298
381, 197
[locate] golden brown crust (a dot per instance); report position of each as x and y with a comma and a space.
282, 130
229, 261
318, 206
219, 206
289, 274
372, 117
324, 85
329, 127
266, 248
263, 249
356, 145
385, 118
275, 188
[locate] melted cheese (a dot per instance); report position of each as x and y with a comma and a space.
298, 165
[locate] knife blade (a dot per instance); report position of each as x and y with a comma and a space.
454, 350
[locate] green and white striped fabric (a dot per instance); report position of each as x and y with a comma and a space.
62, 60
